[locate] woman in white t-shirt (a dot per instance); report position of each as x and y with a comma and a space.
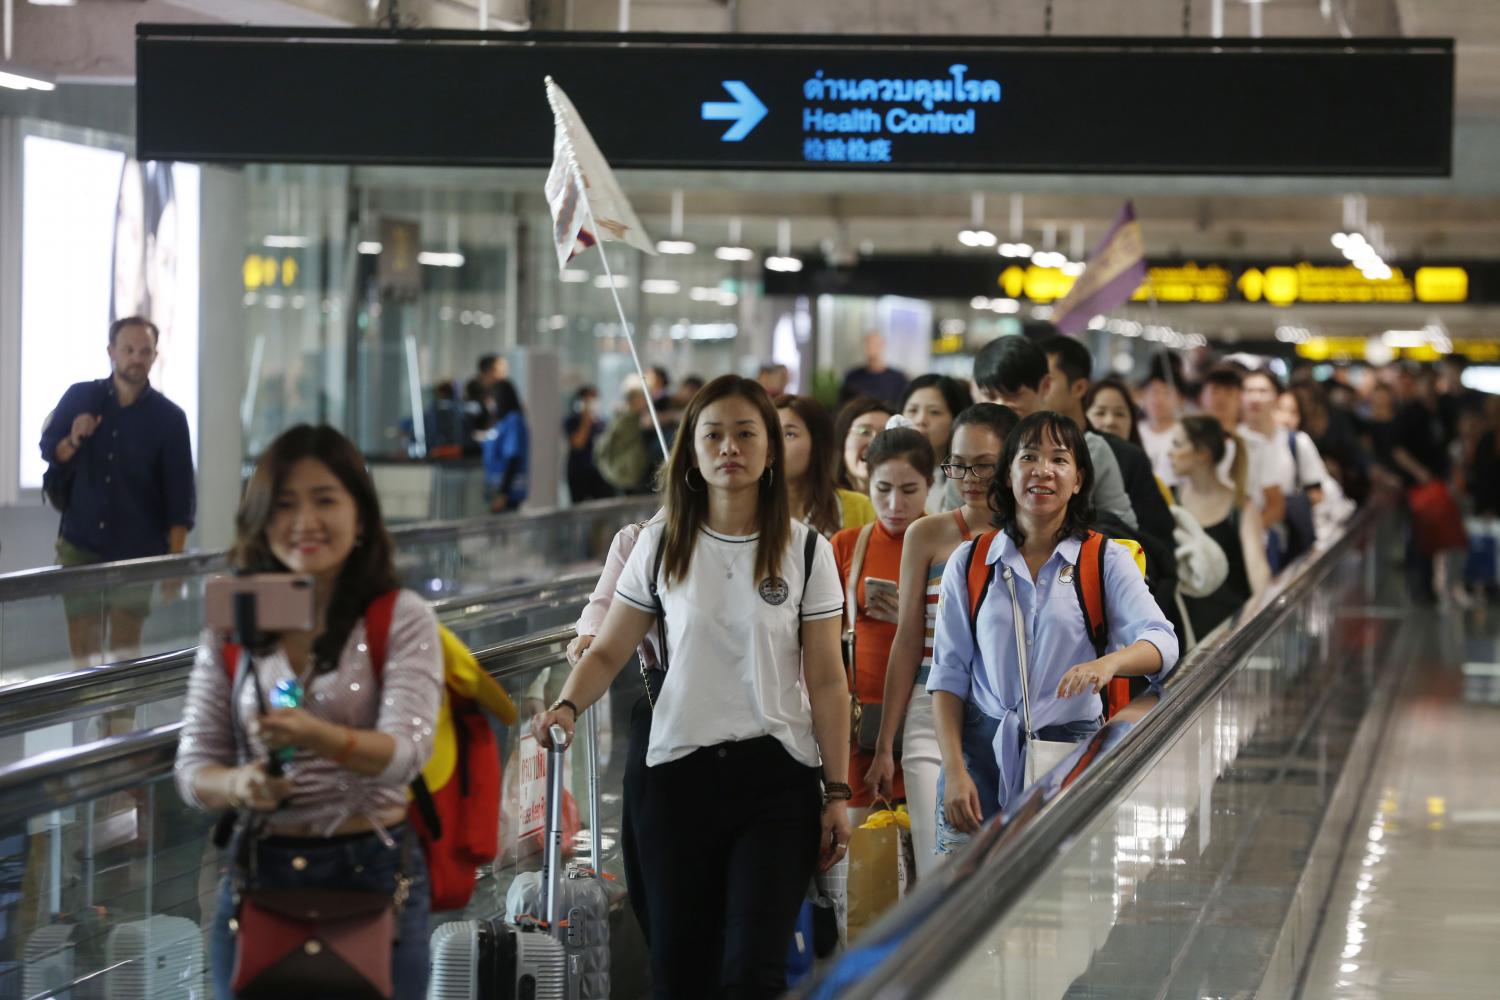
744, 795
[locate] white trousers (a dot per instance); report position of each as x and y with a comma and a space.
921, 763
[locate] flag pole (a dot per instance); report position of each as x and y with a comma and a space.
629, 336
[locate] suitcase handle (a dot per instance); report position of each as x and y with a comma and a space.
552, 863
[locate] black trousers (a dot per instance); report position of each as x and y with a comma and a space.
634, 788
727, 841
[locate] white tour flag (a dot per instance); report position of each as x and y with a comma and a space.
586, 201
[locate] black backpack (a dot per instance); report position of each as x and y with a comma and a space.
57, 481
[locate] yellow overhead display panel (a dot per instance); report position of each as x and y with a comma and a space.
1276, 285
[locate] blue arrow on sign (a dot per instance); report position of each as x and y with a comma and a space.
745, 111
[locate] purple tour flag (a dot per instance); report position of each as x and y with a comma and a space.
1115, 269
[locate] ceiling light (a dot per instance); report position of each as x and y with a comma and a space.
15, 78
434, 258
734, 253
286, 242
1340, 240
1404, 338
703, 293
676, 246
369, 248
1005, 306
660, 286
573, 276
979, 302
728, 298
1073, 268
977, 238
602, 281
786, 264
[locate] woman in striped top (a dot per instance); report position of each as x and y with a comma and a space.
978, 438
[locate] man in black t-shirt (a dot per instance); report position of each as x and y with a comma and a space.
1419, 444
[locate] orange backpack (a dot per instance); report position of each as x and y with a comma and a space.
1088, 584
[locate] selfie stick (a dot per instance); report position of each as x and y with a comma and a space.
247, 634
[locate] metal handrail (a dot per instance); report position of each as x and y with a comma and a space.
61, 778
51, 580
905, 954
38, 702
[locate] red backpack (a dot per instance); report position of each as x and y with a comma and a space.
458, 820
1088, 584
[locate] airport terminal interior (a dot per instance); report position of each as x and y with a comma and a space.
507, 253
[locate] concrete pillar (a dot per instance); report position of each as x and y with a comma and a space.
222, 366
537, 373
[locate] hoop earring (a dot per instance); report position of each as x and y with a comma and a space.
688, 479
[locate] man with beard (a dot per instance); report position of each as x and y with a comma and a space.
120, 466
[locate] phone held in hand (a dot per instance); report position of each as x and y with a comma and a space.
284, 602
875, 585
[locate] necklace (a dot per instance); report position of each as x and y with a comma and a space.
728, 564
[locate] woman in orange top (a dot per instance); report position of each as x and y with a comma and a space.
900, 463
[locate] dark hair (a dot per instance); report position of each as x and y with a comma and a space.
852, 411
1206, 433
485, 361
1073, 358
662, 375
370, 569
687, 506
1165, 367
1030, 433
1009, 365
991, 416
950, 389
507, 400
1268, 375
822, 497
905, 443
120, 324
586, 391
1225, 375
1118, 385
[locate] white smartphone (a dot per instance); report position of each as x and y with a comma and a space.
284, 602
875, 585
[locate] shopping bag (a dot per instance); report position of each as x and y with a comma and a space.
1436, 520
878, 867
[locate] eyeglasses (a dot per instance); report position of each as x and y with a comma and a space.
984, 470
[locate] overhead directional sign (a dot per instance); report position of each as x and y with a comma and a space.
1289, 283
745, 110
1340, 107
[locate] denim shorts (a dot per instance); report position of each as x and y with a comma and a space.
979, 758
354, 861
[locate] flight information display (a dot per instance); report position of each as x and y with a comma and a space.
1139, 106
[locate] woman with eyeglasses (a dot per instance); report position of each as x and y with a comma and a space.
978, 438
859, 421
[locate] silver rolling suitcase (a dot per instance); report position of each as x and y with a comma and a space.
573, 903
495, 960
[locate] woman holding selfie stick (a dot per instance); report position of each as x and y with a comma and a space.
336, 817
745, 793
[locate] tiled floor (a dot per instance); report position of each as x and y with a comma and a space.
1415, 911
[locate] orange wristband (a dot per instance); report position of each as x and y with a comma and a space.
342, 757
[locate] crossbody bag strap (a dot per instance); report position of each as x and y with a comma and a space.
1021, 657
851, 591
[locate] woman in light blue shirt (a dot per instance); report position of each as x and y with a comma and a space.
1043, 514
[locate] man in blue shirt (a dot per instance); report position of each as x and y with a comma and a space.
125, 449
